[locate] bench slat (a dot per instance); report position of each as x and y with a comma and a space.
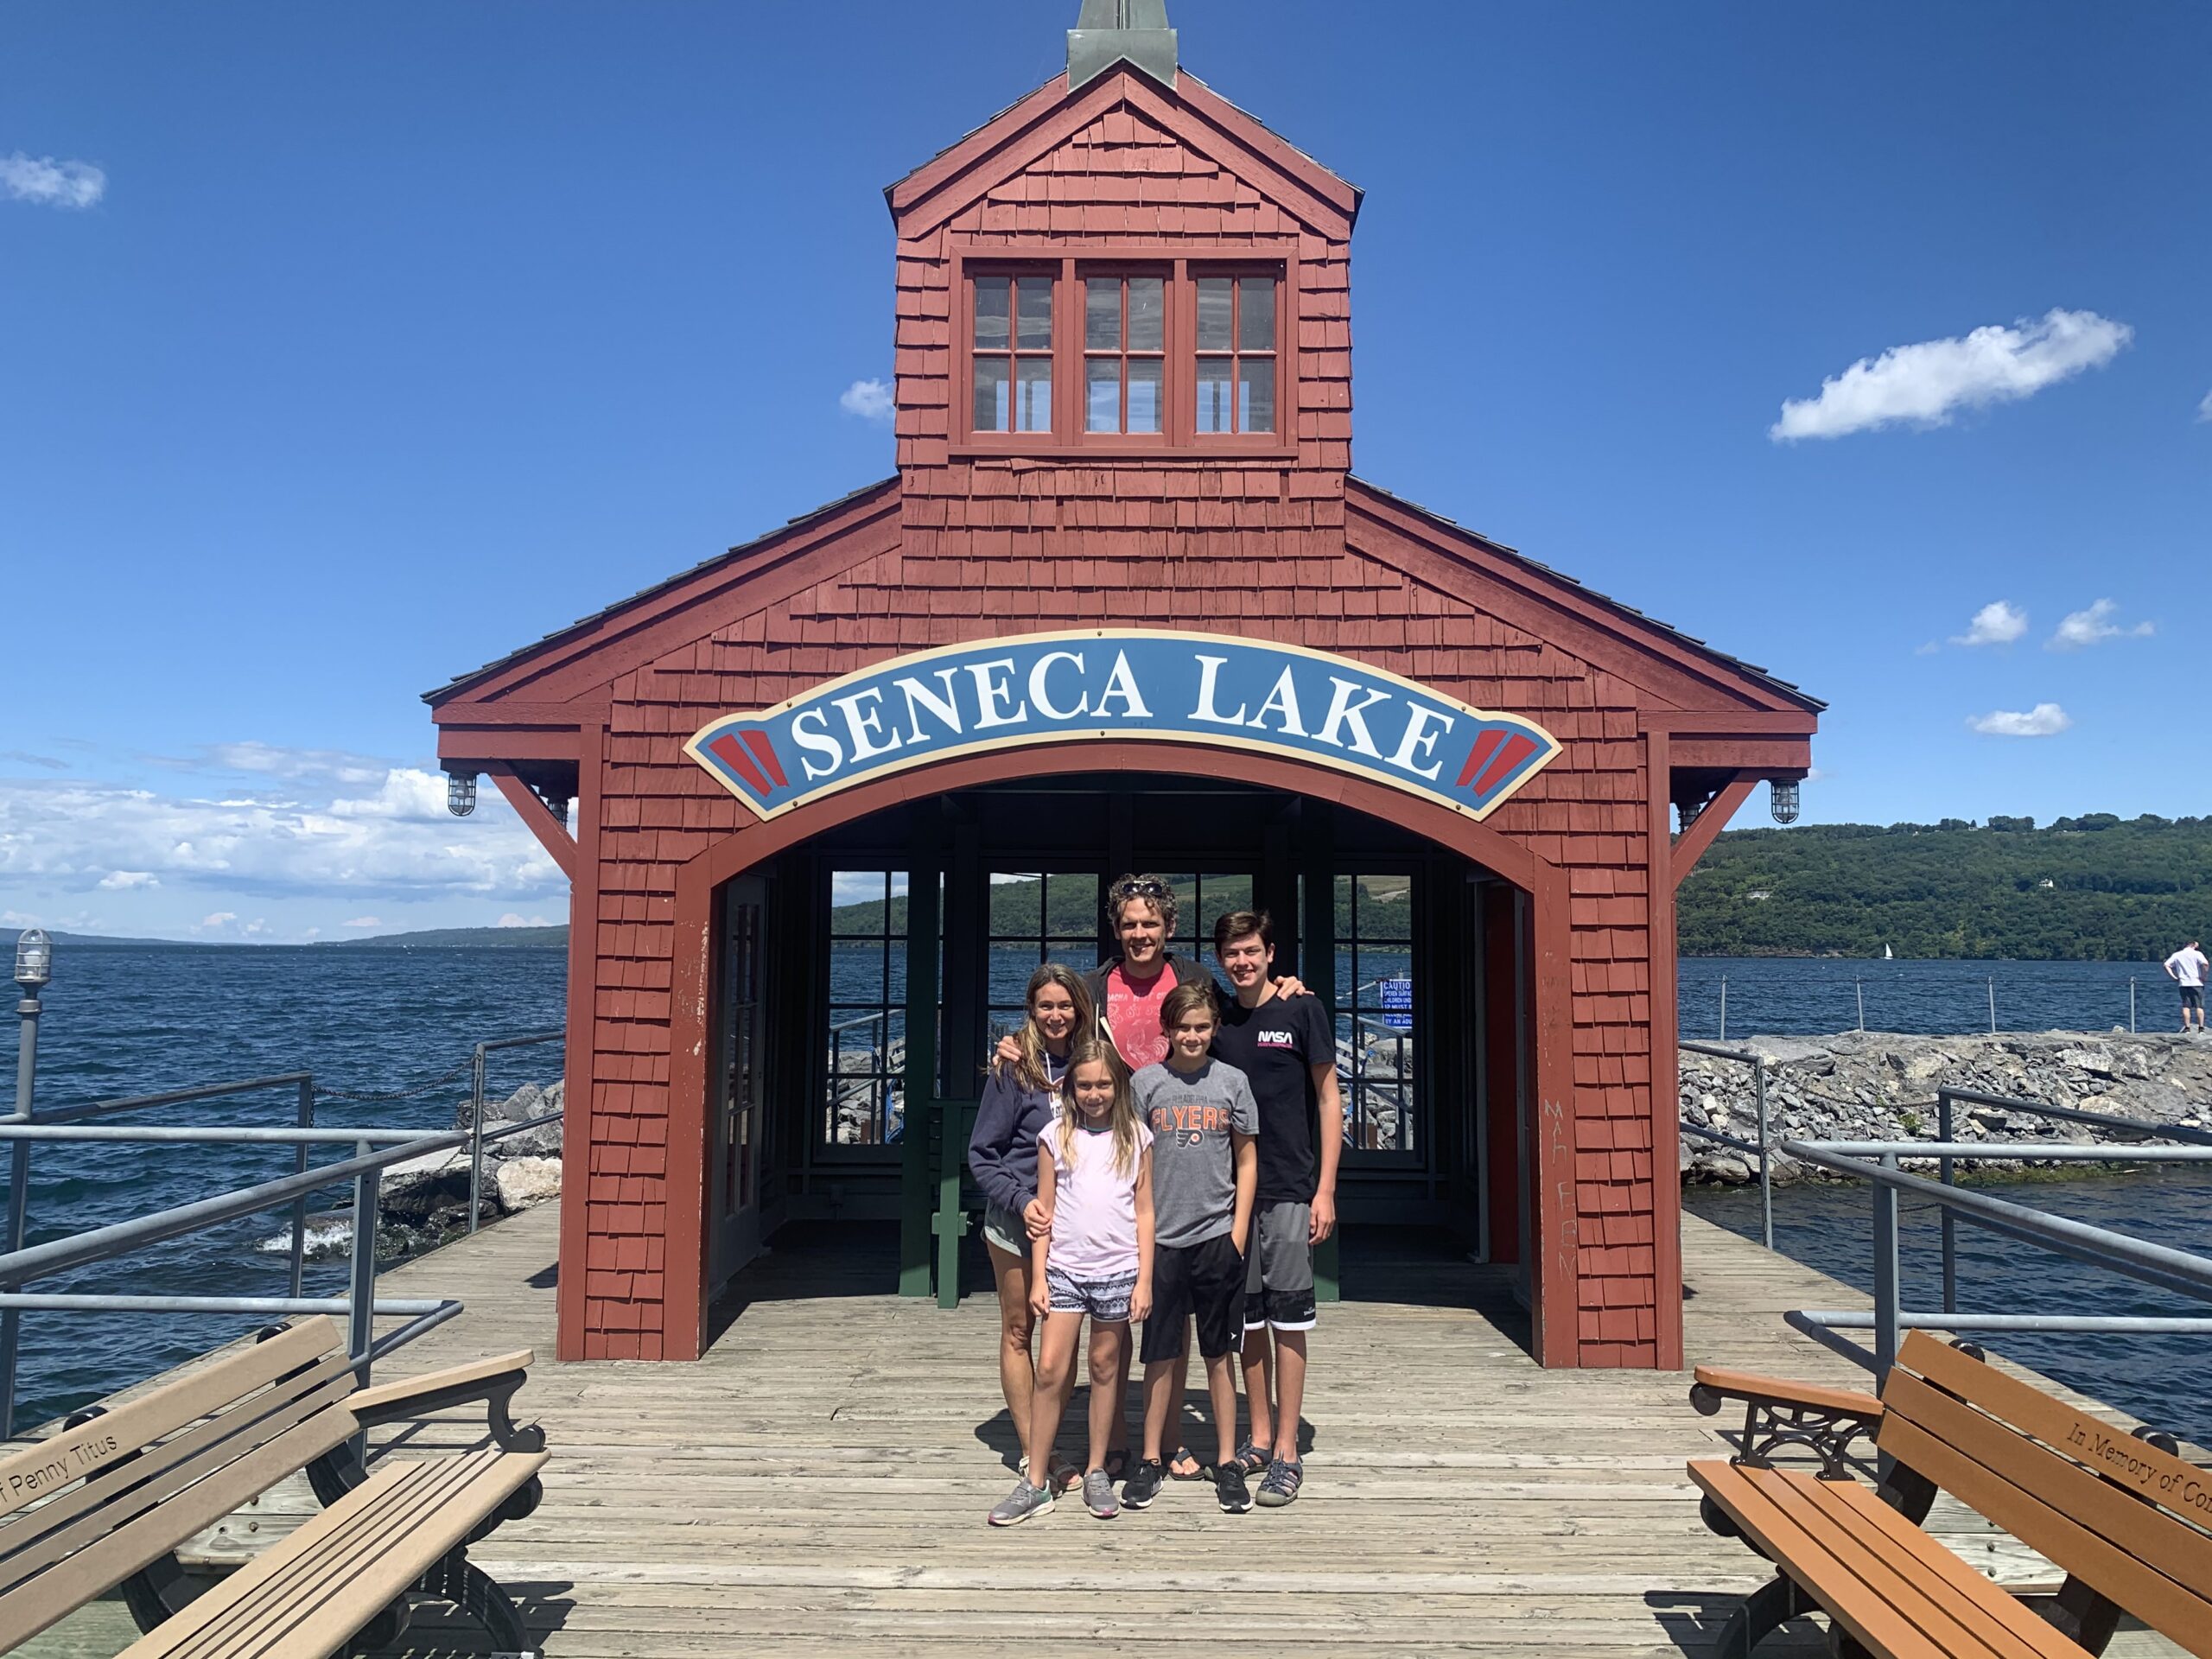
387, 1394
1848, 1401
98, 1567
2004, 1622
45, 1534
1783, 1537
136, 1488
2167, 1607
363, 1535
338, 1571
2141, 1530
79, 1452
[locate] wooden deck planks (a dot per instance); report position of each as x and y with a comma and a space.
816, 1486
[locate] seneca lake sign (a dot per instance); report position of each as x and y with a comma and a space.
1122, 684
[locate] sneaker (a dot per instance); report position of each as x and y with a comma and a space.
1281, 1484
1141, 1488
1020, 1503
1228, 1486
1098, 1495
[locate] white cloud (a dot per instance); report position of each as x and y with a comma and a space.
364, 921
2205, 409
25, 757
219, 919
396, 839
49, 183
1998, 623
2094, 626
2044, 720
124, 880
288, 765
514, 919
1927, 382
869, 400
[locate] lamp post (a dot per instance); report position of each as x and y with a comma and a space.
33, 968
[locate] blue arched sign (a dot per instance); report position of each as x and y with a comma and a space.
1126, 684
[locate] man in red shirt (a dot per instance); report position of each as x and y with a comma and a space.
1128, 990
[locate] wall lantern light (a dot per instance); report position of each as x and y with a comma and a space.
34, 960
1782, 799
461, 794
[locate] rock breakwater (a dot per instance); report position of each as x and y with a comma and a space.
1882, 1086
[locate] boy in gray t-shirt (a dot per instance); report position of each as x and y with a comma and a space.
1206, 1172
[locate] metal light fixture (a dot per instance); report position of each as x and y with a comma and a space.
1688, 811
461, 794
34, 960
1782, 799
557, 804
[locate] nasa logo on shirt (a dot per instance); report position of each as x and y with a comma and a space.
1276, 1039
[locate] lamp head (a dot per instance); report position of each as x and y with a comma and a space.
1782, 799
33, 959
461, 794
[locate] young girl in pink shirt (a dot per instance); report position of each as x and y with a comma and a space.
1094, 1179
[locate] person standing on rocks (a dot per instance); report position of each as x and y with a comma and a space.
2186, 967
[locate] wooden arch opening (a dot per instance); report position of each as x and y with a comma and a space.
1493, 1156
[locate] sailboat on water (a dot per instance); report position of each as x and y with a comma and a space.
1886, 956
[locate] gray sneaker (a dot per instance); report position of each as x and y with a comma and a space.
1098, 1495
1020, 1503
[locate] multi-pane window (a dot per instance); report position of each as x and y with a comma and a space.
1201, 899
864, 1084
1375, 958
1036, 918
1236, 354
1012, 361
1125, 354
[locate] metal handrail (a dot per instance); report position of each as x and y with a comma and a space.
476, 1074
2158, 1264
1758, 1148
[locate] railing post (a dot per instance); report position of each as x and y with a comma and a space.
1886, 1273
475, 1132
361, 1313
1993, 1007
2130, 1005
1724, 1007
1944, 1172
1766, 1172
300, 1168
19, 1193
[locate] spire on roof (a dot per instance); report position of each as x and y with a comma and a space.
1113, 31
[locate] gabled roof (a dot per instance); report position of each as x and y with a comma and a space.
1018, 134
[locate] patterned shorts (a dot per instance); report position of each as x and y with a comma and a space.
1106, 1300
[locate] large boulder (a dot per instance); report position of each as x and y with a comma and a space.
524, 1182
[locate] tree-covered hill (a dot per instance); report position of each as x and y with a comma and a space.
2094, 888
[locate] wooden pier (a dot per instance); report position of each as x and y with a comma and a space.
816, 1486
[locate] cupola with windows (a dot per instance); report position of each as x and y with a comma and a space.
1124, 265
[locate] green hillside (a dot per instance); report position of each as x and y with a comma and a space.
2093, 888
1074, 907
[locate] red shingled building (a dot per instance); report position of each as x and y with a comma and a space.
1124, 411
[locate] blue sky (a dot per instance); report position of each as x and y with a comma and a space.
346, 348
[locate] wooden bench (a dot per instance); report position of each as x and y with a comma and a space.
108, 1500
2122, 1515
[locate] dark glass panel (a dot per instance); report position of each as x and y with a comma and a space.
1217, 308
1146, 398
991, 303
1147, 314
1213, 394
1101, 313
1035, 321
1256, 314
1102, 399
991, 405
1034, 401
1256, 407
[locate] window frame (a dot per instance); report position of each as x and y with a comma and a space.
1236, 354
1011, 273
1180, 262
1087, 272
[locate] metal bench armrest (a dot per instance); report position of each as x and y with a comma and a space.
1778, 1412
492, 1381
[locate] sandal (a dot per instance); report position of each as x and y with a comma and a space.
1064, 1474
1117, 1464
1251, 1460
1184, 1456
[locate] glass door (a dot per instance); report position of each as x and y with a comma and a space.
734, 1204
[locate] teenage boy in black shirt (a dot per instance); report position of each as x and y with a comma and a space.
1287, 1047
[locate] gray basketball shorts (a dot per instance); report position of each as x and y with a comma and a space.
1007, 1229
1278, 1274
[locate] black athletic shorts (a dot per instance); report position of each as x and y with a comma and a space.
2192, 996
1206, 1280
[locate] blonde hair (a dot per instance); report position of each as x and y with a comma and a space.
1031, 1070
1122, 1115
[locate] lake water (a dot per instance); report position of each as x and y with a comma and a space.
131, 1021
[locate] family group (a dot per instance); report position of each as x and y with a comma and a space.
1157, 1148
